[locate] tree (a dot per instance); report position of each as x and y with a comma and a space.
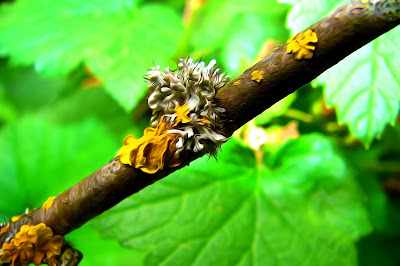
301, 200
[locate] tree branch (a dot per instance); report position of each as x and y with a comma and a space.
339, 34
271, 79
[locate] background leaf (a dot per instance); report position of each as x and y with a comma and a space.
27, 90
7, 111
98, 251
36, 154
117, 40
241, 214
275, 110
304, 13
237, 30
364, 87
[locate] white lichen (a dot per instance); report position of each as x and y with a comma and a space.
194, 85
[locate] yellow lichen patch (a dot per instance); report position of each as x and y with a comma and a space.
182, 113
237, 82
153, 151
48, 203
32, 244
257, 75
4, 229
16, 218
204, 121
302, 45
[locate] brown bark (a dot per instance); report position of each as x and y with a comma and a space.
339, 34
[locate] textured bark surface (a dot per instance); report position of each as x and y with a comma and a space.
339, 34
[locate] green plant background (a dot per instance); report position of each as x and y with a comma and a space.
72, 87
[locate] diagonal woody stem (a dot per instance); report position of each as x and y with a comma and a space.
339, 34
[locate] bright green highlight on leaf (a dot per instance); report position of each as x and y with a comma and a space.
303, 209
275, 110
117, 40
238, 29
7, 112
98, 251
36, 154
365, 86
304, 13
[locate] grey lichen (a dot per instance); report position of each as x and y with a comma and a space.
192, 85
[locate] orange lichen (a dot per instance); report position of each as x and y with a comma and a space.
16, 218
257, 75
156, 149
31, 245
237, 82
151, 152
48, 203
302, 45
4, 229
204, 121
182, 113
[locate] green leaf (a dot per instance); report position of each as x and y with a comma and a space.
237, 29
304, 209
242, 46
7, 111
379, 250
117, 40
364, 87
304, 13
98, 251
275, 110
80, 105
40, 159
28, 90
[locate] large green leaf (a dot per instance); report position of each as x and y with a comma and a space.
116, 39
238, 29
7, 111
95, 103
243, 45
98, 251
39, 159
27, 90
278, 109
304, 209
304, 13
364, 87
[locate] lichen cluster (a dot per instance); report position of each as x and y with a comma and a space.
151, 152
302, 45
48, 203
31, 244
257, 75
183, 119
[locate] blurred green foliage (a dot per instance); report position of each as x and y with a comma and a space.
293, 187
